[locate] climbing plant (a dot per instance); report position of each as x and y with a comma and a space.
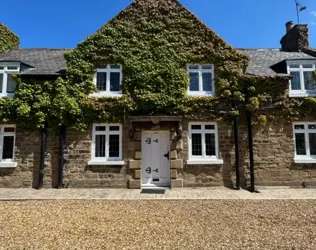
8, 40
153, 40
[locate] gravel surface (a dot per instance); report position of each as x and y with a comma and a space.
139, 224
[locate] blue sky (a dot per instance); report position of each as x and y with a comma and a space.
242, 23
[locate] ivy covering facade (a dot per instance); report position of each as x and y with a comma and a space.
153, 40
8, 40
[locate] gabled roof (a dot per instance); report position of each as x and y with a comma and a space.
262, 61
38, 61
52, 61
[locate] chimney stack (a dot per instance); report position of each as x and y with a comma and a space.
289, 26
296, 37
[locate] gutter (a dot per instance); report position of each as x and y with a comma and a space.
42, 157
250, 141
236, 139
61, 162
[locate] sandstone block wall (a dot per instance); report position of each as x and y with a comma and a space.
273, 157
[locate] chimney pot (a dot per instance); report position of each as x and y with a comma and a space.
289, 26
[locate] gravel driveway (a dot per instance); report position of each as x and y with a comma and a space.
139, 224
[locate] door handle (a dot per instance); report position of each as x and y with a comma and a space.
167, 155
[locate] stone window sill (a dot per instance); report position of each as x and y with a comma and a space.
306, 160
106, 94
8, 164
102, 163
302, 94
205, 162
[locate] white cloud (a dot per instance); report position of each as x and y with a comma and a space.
313, 13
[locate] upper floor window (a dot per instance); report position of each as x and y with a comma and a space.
7, 84
302, 83
305, 142
201, 79
7, 141
106, 144
108, 80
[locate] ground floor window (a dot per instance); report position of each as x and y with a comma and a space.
305, 140
7, 142
203, 141
107, 142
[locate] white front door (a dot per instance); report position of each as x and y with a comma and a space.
155, 158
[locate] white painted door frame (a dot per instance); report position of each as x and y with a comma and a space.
156, 159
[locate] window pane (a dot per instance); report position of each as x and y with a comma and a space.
114, 146
114, 128
101, 81
300, 144
100, 128
115, 81
194, 81
295, 66
1, 82
313, 126
9, 129
196, 127
194, 67
207, 81
308, 81
210, 144
100, 146
12, 68
11, 84
209, 126
296, 82
312, 143
307, 66
8, 143
300, 126
115, 66
207, 67
196, 144
1, 68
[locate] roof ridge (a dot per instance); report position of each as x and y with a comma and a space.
43, 49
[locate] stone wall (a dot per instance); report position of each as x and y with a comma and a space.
273, 158
27, 153
296, 39
77, 170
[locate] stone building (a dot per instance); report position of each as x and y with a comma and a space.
164, 150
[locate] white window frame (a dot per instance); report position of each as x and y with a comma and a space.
203, 159
107, 69
200, 71
7, 163
302, 92
5, 73
308, 158
106, 160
